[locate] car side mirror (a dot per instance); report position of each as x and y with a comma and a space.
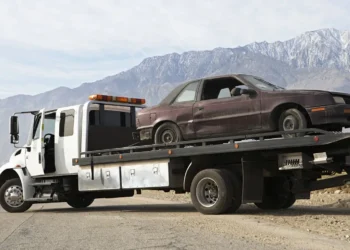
14, 129
249, 92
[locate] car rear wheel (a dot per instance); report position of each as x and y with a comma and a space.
292, 119
167, 133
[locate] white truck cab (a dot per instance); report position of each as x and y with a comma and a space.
55, 138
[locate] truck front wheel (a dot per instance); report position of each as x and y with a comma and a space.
212, 191
79, 201
11, 197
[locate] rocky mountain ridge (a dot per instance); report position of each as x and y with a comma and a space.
314, 60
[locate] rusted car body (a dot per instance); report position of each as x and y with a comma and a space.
240, 104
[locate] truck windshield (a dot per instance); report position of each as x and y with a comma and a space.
261, 83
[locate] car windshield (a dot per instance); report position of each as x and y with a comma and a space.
170, 97
261, 83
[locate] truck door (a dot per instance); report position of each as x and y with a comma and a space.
67, 139
35, 151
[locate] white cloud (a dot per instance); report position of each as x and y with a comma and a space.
114, 31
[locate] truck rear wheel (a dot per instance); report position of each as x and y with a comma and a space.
212, 191
236, 201
80, 201
276, 195
277, 202
11, 197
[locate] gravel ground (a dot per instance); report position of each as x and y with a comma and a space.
326, 213
157, 220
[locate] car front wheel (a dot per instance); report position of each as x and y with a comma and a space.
167, 133
292, 119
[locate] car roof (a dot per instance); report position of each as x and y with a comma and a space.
170, 97
219, 76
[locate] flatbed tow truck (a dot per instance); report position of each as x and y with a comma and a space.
80, 153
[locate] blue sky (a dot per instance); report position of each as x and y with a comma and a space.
47, 44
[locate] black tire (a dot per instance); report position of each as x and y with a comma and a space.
292, 119
236, 182
290, 201
219, 183
277, 202
16, 185
80, 201
275, 195
167, 132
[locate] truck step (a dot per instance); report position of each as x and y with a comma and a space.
39, 199
42, 184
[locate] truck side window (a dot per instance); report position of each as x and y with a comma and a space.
36, 128
67, 123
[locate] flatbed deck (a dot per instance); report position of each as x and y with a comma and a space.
313, 140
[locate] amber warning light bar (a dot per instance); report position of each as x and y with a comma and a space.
108, 98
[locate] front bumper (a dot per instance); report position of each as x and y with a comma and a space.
338, 114
146, 133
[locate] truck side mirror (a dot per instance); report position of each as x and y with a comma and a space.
14, 129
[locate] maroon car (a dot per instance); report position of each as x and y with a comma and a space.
239, 104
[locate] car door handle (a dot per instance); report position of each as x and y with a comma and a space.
200, 108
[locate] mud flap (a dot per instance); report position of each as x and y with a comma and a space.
253, 181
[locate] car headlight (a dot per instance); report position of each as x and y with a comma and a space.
339, 100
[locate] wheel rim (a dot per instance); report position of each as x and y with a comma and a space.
14, 196
289, 123
168, 136
207, 192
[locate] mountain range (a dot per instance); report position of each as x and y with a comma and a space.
317, 59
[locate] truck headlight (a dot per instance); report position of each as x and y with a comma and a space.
339, 100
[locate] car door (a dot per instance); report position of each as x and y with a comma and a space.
181, 110
35, 153
227, 116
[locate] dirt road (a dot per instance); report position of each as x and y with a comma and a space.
155, 220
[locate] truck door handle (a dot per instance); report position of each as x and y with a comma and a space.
39, 154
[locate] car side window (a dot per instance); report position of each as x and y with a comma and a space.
220, 88
188, 94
